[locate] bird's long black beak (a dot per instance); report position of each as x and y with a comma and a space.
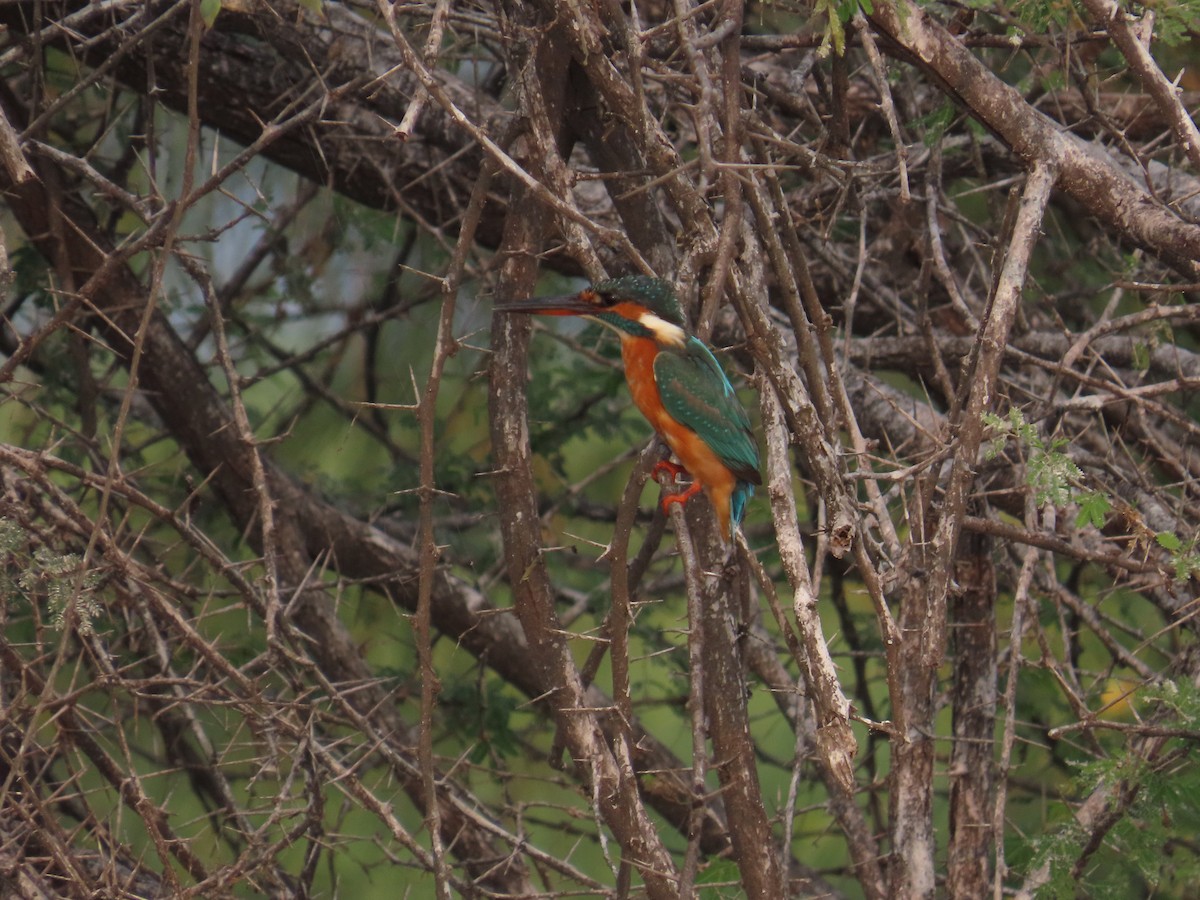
565, 305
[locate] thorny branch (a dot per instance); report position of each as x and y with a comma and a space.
978, 413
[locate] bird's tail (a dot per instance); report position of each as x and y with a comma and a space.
742, 492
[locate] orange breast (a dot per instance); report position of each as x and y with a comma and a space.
638, 355
696, 456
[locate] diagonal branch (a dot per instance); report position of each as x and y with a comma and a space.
1080, 170
1115, 21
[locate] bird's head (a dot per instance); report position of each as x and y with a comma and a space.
633, 305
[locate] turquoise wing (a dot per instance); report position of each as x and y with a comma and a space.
696, 393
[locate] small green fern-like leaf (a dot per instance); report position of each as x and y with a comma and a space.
1094, 507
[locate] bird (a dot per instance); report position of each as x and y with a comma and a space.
677, 384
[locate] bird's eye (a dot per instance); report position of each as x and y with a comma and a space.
594, 298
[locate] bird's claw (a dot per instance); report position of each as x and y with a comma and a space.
665, 473
682, 497
669, 469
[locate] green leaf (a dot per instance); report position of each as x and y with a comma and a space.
1000, 438
313, 6
719, 879
1023, 429
1093, 509
1175, 20
209, 10
1185, 565
1169, 541
1050, 475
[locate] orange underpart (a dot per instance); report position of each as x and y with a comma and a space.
699, 460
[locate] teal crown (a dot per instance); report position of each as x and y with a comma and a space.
653, 293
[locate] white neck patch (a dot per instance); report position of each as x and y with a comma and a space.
664, 332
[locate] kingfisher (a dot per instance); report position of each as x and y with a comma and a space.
677, 384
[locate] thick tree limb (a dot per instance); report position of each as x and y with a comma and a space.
1083, 171
1136, 51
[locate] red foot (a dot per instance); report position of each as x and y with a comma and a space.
665, 466
682, 497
